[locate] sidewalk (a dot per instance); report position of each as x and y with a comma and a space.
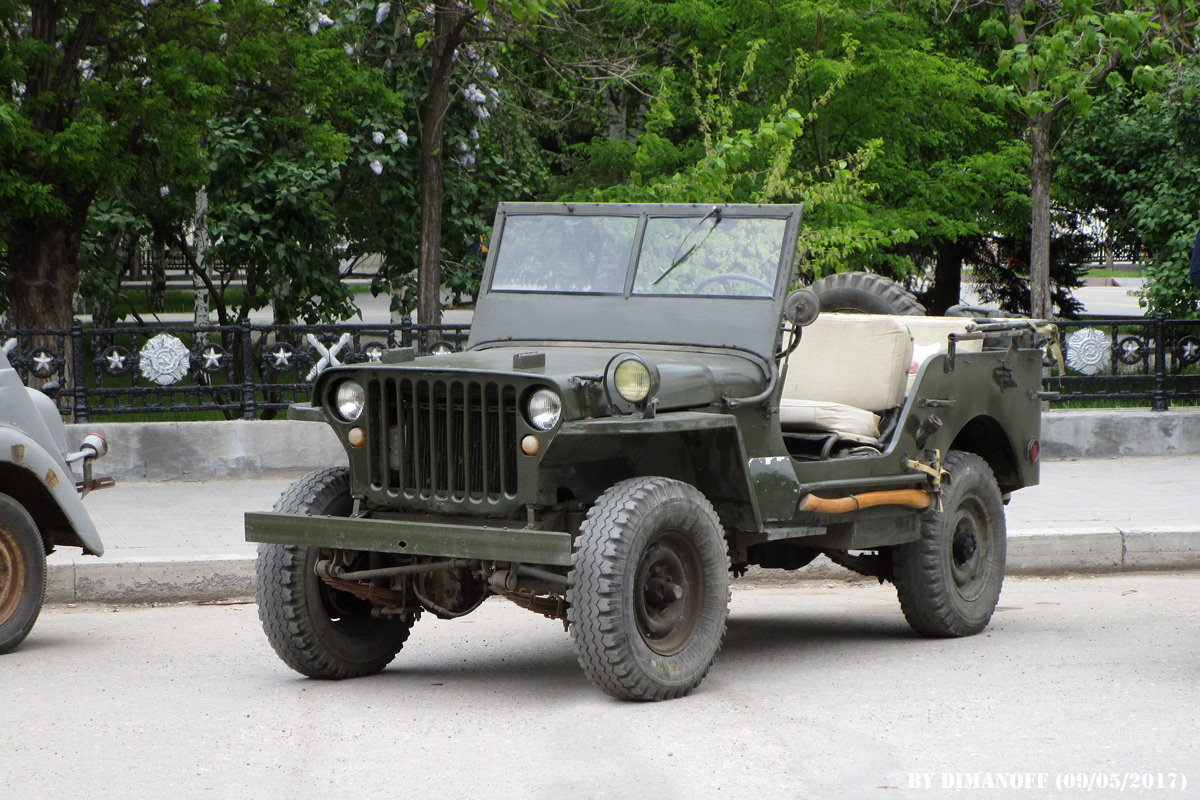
181, 540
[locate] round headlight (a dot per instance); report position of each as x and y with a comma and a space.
632, 380
545, 409
349, 400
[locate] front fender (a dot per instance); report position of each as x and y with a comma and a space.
55, 481
701, 449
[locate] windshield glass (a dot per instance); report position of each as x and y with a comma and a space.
662, 274
726, 256
587, 254
710, 255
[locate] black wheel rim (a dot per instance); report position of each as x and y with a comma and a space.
970, 549
12, 574
669, 593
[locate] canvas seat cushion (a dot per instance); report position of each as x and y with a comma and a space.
814, 415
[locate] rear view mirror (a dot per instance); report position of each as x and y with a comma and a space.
801, 307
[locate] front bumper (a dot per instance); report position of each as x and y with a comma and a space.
419, 538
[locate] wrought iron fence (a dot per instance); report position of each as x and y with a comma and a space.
1123, 359
244, 371
251, 371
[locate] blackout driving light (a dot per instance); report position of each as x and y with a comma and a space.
349, 399
545, 409
632, 383
632, 380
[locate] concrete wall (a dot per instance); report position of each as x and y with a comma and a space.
1102, 433
163, 451
196, 451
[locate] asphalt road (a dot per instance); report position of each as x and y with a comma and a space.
820, 691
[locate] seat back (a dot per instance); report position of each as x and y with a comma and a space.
929, 336
858, 360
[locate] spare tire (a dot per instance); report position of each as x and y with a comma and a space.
865, 293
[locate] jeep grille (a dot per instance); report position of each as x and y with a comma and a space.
443, 438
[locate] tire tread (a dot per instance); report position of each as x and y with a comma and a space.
595, 596
919, 569
283, 603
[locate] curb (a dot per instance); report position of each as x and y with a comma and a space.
202, 579
159, 580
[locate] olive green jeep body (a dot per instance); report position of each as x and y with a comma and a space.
643, 408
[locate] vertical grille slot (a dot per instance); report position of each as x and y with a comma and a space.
446, 438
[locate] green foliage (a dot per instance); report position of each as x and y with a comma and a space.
901, 114
297, 118
86, 92
1000, 266
294, 117
756, 164
1136, 160
1060, 54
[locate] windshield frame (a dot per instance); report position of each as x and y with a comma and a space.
738, 322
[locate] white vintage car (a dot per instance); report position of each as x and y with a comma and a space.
40, 499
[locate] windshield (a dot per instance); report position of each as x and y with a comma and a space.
662, 274
728, 256
709, 255
565, 254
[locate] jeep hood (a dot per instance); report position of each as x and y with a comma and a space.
689, 379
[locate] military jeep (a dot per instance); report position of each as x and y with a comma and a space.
642, 411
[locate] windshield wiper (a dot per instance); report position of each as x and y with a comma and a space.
694, 247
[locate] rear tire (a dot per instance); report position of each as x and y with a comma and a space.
865, 293
22, 573
649, 590
315, 629
949, 580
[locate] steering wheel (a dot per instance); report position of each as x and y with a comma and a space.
734, 276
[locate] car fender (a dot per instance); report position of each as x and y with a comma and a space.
51, 474
672, 445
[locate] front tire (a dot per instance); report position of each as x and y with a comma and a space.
315, 629
649, 591
22, 573
949, 580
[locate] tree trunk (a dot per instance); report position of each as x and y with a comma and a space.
43, 269
41, 280
158, 280
448, 25
201, 316
947, 276
1039, 251
616, 102
281, 302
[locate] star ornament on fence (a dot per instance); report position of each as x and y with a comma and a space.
1189, 350
328, 355
281, 357
43, 363
212, 356
115, 361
